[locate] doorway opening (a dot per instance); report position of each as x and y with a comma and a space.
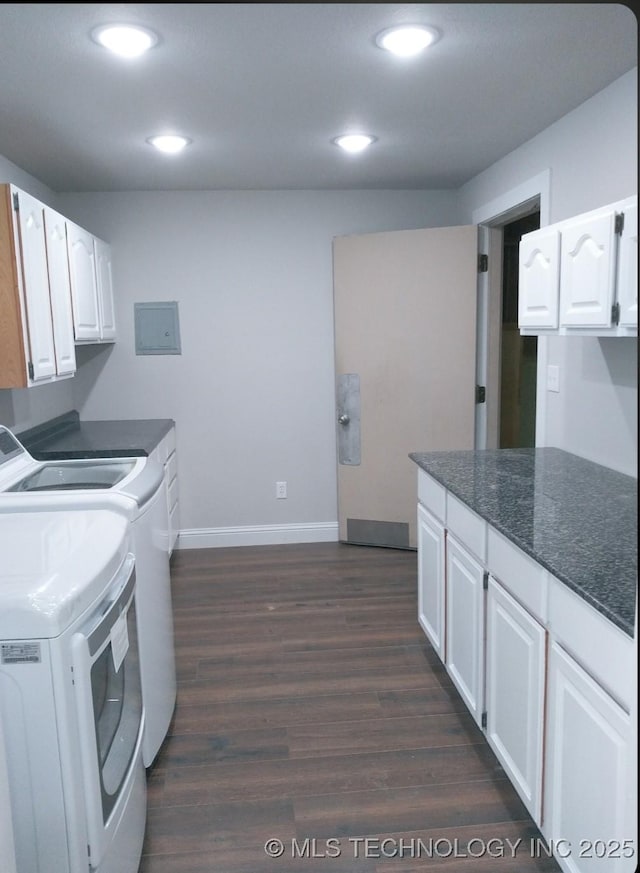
519, 354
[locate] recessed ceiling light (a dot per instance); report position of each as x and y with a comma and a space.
170, 144
126, 40
407, 40
354, 142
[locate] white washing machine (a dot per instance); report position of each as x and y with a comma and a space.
70, 695
135, 488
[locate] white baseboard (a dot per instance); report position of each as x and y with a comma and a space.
258, 535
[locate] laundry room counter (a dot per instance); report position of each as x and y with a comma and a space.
67, 437
575, 518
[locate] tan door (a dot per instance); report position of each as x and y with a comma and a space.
405, 340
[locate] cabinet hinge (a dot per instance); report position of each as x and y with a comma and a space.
619, 223
483, 719
481, 394
615, 313
485, 580
16, 201
30, 369
483, 263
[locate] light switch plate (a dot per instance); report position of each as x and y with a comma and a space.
553, 378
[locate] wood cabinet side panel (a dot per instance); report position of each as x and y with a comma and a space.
12, 351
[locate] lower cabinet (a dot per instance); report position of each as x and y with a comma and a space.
548, 678
515, 678
171, 479
464, 657
587, 812
431, 578
165, 454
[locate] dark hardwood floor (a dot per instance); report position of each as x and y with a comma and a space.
312, 710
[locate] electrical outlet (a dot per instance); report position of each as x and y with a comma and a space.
553, 378
281, 490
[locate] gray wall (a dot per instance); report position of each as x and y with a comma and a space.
253, 390
592, 153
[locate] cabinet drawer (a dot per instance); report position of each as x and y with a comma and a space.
519, 574
172, 493
603, 650
431, 495
172, 466
468, 527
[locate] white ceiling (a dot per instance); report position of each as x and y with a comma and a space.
262, 89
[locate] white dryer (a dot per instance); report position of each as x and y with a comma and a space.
70, 696
135, 488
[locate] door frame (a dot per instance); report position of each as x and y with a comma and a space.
507, 207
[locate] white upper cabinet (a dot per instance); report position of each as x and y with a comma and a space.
588, 271
91, 286
106, 309
579, 276
60, 288
539, 278
35, 277
55, 291
84, 285
36, 325
628, 267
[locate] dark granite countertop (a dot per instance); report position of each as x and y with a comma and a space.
66, 437
576, 518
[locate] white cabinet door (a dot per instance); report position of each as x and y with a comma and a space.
586, 764
465, 625
105, 290
587, 271
60, 292
539, 279
174, 515
515, 676
35, 277
84, 291
628, 267
431, 579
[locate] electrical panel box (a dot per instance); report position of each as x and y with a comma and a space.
157, 328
